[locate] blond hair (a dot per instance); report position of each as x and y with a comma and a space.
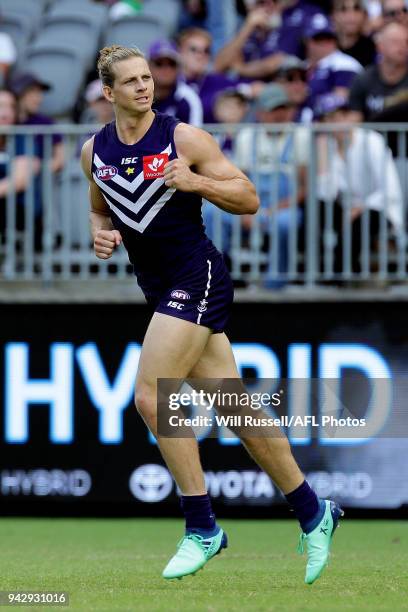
109, 56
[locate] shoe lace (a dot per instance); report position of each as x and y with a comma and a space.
191, 536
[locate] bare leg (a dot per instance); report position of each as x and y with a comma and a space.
272, 454
170, 349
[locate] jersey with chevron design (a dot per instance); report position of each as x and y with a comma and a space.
161, 227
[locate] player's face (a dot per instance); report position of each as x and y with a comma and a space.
133, 87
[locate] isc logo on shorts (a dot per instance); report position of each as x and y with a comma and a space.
179, 294
106, 172
176, 305
153, 165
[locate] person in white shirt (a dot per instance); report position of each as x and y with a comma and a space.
356, 170
8, 53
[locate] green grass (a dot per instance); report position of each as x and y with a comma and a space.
116, 565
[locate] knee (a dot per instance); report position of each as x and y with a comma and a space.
145, 402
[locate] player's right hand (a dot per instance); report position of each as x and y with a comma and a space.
106, 242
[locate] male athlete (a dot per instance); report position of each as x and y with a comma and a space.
147, 174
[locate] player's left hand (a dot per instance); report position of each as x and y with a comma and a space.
177, 174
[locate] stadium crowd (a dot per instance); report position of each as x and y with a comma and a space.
258, 61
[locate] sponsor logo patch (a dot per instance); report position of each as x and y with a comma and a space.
153, 165
176, 305
106, 172
179, 294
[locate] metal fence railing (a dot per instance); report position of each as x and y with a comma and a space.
334, 204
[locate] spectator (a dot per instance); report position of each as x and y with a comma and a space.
16, 172
230, 106
194, 49
292, 76
349, 18
99, 109
8, 54
371, 89
276, 161
356, 170
395, 11
29, 91
172, 95
270, 30
331, 70
193, 14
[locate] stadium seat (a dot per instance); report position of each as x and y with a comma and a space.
137, 30
98, 13
19, 27
75, 32
32, 9
166, 11
64, 70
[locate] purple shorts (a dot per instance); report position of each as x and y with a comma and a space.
202, 295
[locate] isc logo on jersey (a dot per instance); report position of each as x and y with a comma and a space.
104, 173
128, 160
153, 165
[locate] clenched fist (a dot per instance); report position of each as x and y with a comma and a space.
106, 242
178, 175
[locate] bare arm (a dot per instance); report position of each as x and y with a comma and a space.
214, 177
23, 167
106, 239
258, 69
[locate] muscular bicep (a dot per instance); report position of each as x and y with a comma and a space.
203, 154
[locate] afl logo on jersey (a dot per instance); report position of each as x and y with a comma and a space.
179, 294
153, 165
104, 173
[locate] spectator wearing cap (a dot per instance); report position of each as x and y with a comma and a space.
99, 109
383, 83
17, 171
395, 11
330, 70
357, 172
349, 18
195, 56
276, 161
271, 30
292, 75
29, 90
171, 94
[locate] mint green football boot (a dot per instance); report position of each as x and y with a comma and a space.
193, 552
319, 540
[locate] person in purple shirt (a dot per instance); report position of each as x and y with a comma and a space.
195, 54
330, 70
29, 90
270, 31
171, 94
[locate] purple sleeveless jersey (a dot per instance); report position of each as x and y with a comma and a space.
178, 268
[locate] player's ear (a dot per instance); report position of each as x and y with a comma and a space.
107, 92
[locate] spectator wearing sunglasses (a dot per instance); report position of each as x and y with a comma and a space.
292, 75
374, 89
195, 58
271, 30
171, 94
395, 10
349, 18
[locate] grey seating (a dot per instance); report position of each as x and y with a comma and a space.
76, 32
137, 30
166, 11
98, 13
19, 27
64, 70
33, 9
